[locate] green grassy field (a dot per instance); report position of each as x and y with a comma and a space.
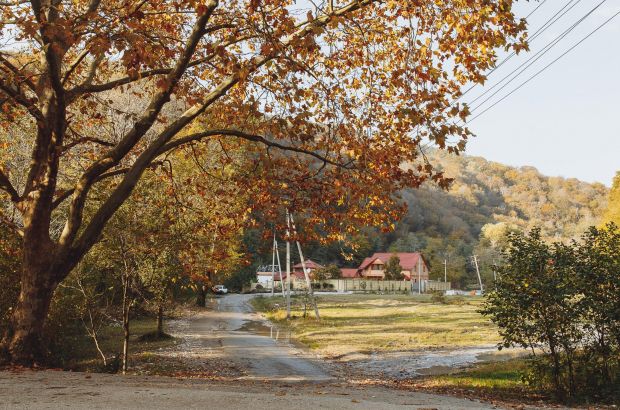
364, 323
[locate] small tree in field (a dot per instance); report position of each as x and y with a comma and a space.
393, 270
328, 272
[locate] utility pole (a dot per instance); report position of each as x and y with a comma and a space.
280, 270
273, 265
288, 268
475, 258
306, 275
445, 271
420, 274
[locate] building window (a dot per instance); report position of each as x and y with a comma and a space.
376, 267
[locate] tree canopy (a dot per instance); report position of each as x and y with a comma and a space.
326, 102
612, 213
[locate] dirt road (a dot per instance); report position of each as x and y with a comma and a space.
234, 333
53, 390
276, 375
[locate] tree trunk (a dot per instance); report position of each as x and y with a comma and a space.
22, 342
126, 338
201, 296
160, 321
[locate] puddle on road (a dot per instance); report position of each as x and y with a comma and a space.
271, 331
409, 364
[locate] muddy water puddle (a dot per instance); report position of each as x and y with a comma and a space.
406, 364
271, 331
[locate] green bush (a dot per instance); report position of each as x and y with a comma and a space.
439, 297
563, 300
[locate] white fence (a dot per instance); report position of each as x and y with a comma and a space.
365, 286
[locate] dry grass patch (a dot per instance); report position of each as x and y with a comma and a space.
362, 323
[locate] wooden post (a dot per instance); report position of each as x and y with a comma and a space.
280, 270
475, 257
273, 265
420, 274
288, 268
306, 275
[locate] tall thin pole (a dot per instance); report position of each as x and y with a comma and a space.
475, 257
420, 274
280, 270
445, 271
306, 275
273, 265
288, 268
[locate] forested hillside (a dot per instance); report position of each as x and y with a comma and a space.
486, 199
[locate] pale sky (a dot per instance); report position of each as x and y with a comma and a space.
566, 121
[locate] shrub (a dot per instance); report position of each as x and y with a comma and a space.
439, 297
563, 300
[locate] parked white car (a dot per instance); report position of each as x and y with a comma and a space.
220, 290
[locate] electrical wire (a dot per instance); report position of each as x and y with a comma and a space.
551, 21
547, 66
528, 63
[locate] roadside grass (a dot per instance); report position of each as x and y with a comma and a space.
367, 323
504, 375
491, 381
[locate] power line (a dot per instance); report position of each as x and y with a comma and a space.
529, 62
554, 19
537, 7
547, 66
536, 34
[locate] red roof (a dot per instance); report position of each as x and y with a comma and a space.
349, 273
408, 260
298, 275
310, 264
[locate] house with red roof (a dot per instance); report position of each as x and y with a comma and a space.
374, 266
348, 273
298, 270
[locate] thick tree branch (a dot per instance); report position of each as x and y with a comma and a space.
5, 185
17, 72
12, 225
139, 129
249, 137
121, 171
21, 99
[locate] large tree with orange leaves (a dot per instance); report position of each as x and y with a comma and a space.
349, 89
